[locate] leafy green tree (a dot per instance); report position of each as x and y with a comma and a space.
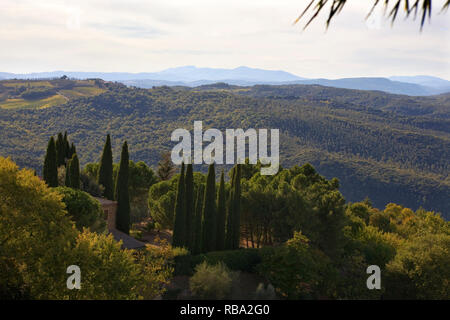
209, 228
161, 202
74, 172
179, 228
83, 209
166, 168
105, 170
50, 170
221, 214
122, 192
108, 271
297, 270
35, 236
189, 203
420, 268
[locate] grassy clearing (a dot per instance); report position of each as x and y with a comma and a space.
33, 104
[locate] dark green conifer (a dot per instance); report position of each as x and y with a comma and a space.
179, 227
233, 235
74, 172
221, 213
189, 203
237, 209
60, 151
209, 228
67, 146
50, 170
105, 171
122, 193
67, 179
197, 232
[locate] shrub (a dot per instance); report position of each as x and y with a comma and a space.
265, 293
295, 269
238, 260
211, 281
84, 210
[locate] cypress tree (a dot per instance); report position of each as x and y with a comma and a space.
72, 150
60, 151
67, 180
122, 195
237, 208
221, 213
209, 228
67, 147
197, 227
229, 226
74, 172
189, 203
179, 227
50, 170
105, 171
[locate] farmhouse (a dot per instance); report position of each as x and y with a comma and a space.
109, 210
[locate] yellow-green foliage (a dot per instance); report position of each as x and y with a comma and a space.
33, 104
211, 281
11, 92
39, 241
35, 235
107, 271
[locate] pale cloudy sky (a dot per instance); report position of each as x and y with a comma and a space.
147, 36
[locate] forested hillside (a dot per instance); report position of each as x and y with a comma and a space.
390, 148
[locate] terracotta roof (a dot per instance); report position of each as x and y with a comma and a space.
127, 241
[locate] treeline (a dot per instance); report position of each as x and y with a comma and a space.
207, 220
60, 156
356, 129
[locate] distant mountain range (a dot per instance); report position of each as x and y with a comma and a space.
192, 76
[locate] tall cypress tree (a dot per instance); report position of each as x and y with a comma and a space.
209, 228
122, 195
197, 227
105, 171
179, 227
67, 146
221, 213
60, 151
229, 226
237, 208
72, 150
74, 172
67, 180
189, 203
50, 170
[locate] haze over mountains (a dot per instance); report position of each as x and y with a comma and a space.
244, 76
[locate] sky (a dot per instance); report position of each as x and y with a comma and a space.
152, 35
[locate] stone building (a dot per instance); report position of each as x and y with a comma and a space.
110, 210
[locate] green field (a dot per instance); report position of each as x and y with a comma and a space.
40, 94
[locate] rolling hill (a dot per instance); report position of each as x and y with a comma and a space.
391, 148
192, 76
39, 94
